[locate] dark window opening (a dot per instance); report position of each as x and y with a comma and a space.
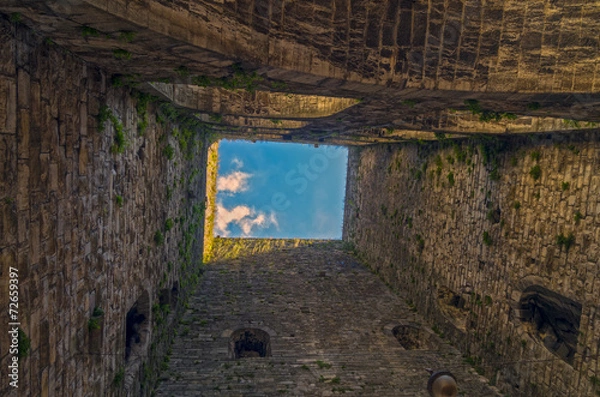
137, 327
553, 318
174, 294
249, 342
164, 297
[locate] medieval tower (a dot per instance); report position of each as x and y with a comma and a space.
471, 233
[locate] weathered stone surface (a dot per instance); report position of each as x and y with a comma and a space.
464, 231
77, 245
329, 321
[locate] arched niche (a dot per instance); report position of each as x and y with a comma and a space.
249, 342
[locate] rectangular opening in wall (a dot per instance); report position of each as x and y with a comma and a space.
279, 190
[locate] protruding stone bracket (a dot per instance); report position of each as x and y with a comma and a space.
551, 318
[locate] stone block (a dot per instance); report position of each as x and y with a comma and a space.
8, 106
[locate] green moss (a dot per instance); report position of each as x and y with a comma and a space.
565, 186
216, 117
323, 365
93, 324
450, 179
565, 241
159, 239
120, 139
535, 172
16, 17
240, 79
124, 80
119, 200
487, 239
169, 152
169, 224
87, 31
127, 36
121, 54
119, 377
409, 102
103, 116
24, 344
279, 85
182, 71
98, 312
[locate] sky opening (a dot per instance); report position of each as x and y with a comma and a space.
280, 190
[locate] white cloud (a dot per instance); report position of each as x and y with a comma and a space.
235, 182
237, 163
243, 216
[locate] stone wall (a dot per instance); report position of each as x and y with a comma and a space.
410, 65
317, 323
495, 241
96, 213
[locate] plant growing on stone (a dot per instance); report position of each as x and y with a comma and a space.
323, 364
125, 80
486, 115
169, 224
16, 17
487, 239
119, 376
98, 312
565, 186
535, 172
87, 31
279, 85
120, 141
409, 102
24, 344
451, 179
119, 200
565, 241
93, 324
182, 71
159, 239
127, 36
121, 54
571, 123
578, 216
216, 117
103, 116
169, 152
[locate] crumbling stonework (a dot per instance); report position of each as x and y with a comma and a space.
90, 222
495, 242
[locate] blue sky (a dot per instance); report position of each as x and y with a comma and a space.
282, 190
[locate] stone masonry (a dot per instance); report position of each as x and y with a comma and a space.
484, 219
330, 323
409, 64
80, 222
464, 230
